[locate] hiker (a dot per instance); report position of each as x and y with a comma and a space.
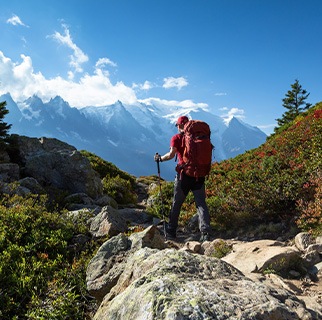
183, 184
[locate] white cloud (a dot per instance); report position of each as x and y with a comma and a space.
96, 89
15, 21
230, 113
168, 83
219, 94
105, 61
22, 82
172, 82
188, 104
146, 86
78, 57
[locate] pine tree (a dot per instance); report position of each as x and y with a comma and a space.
295, 104
4, 127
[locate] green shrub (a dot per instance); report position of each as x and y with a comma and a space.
148, 179
160, 199
107, 169
36, 263
119, 189
221, 249
116, 183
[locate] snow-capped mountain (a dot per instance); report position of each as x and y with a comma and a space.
126, 135
239, 137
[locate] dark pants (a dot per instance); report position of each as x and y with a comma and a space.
181, 189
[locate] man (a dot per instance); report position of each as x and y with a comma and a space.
183, 184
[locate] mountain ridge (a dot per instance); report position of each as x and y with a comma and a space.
126, 135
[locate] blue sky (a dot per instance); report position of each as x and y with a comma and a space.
237, 57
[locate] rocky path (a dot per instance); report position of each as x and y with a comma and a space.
306, 286
245, 254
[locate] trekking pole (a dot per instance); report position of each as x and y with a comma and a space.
161, 198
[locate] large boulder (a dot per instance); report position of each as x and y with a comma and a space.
150, 237
263, 255
136, 278
172, 284
135, 216
109, 262
106, 266
54, 163
9, 172
32, 185
108, 222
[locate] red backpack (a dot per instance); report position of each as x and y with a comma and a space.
197, 154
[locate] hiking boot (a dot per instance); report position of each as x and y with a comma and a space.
170, 234
193, 237
204, 237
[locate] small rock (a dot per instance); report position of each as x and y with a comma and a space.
303, 240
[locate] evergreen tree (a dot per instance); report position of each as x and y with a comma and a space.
4, 127
295, 104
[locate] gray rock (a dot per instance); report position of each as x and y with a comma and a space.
150, 237
109, 262
54, 163
192, 246
29, 147
108, 223
136, 216
106, 266
318, 240
303, 240
132, 279
263, 255
9, 172
106, 200
311, 255
193, 224
14, 189
171, 284
4, 156
32, 184
78, 198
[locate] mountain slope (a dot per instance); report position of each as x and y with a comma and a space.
278, 181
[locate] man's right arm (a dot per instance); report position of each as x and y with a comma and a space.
168, 156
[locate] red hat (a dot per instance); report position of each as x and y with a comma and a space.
182, 120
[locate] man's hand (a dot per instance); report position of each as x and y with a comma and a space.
157, 158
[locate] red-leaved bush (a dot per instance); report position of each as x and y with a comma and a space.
310, 218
